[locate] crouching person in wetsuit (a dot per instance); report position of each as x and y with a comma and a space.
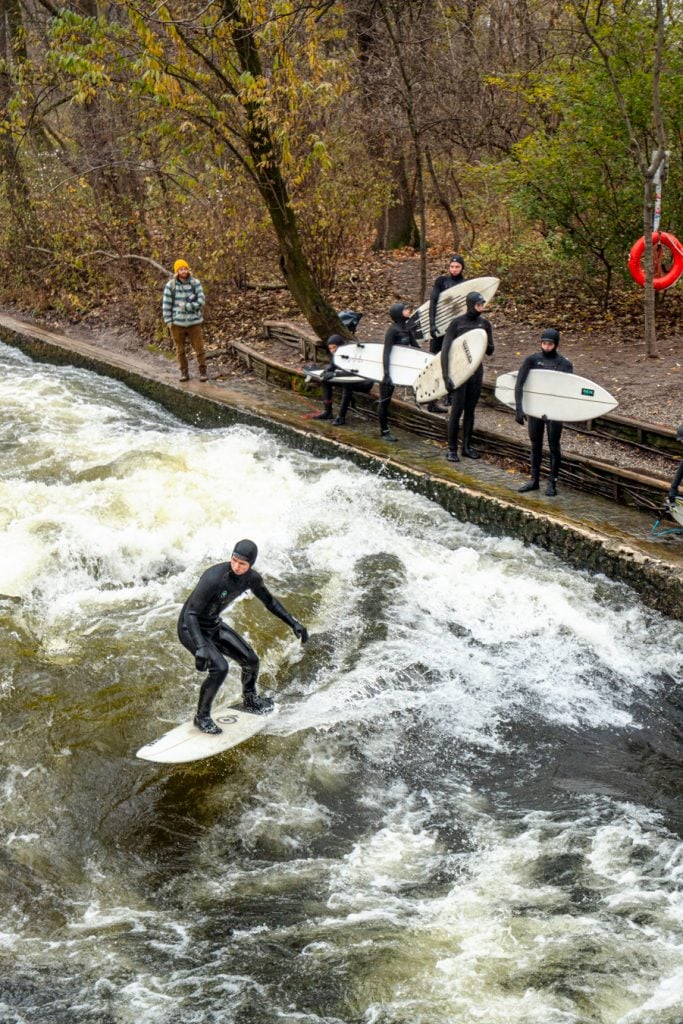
334, 342
547, 359
202, 631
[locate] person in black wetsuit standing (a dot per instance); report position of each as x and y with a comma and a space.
456, 266
397, 334
547, 359
202, 631
464, 399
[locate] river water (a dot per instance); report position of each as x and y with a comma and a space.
467, 810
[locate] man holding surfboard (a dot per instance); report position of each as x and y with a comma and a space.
547, 359
456, 266
202, 631
465, 397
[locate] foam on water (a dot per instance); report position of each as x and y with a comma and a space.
462, 812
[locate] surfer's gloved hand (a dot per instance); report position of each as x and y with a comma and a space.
201, 659
520, 418
300, 632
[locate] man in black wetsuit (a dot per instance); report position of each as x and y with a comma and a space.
334, 342
202, 631
547, 359
397, 334
464, 399
456, 266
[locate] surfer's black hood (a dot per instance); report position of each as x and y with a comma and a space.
396, 312
550, 334
246, 550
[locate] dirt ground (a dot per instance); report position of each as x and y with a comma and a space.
603, 348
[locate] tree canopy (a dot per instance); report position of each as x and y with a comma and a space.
290, 133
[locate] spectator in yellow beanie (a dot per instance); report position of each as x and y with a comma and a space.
182, 307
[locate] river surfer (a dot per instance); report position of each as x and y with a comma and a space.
202, 631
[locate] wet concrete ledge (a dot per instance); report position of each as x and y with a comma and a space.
623, 557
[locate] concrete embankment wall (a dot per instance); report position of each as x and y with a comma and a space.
626, 558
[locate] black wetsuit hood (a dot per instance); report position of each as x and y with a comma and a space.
396, 312
246, 550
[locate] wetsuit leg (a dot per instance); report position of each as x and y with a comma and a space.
457, 406
536, 430
385, 393
436, 344
554, 435
326, 414
218, 669
345, 403
472, 396
237, 648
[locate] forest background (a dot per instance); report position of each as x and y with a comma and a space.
286, 148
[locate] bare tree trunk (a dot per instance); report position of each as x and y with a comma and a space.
17, 192
442, 200
273, 188
647, 170
397, 228
649, 320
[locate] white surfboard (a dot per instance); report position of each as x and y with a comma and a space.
368, 361
451, 304
557, 396
464, 357
340, 377
187, 743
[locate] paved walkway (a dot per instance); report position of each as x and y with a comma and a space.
588, 531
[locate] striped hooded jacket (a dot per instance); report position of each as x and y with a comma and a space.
183, 302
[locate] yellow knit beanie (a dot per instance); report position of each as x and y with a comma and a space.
179, 264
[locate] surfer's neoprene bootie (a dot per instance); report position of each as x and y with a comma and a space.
452, 455
551, 489
435, 407
388, 436
326, 414
467, 450
532, 485
203, 719
339, 422
256, 704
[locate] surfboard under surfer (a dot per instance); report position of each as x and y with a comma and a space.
202, 631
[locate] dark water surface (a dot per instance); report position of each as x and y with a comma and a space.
467, 810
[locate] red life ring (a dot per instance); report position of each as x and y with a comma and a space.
663, 280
